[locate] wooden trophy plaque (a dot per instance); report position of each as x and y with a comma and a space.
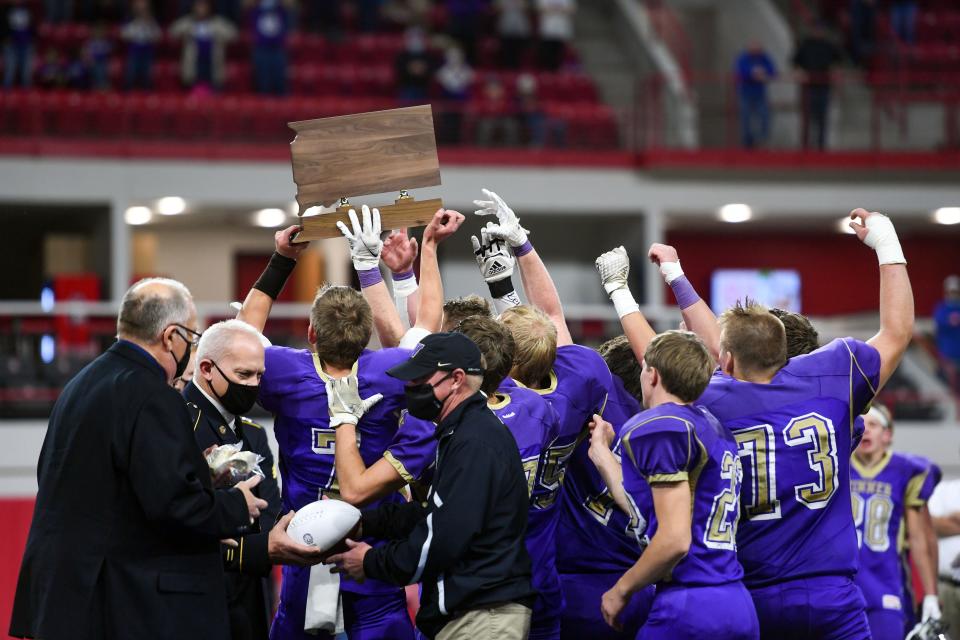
361, 154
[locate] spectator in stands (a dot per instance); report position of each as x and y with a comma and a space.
57, 11
455, 77
539, 127
863, 30
556, 30
78, 71
903, 19
141, 35
753, 71
464, 20
17, 34
413, 67
814, 59
946, 318
514, 29
205, 38
495, 116
270, 26
52, 72
95, 56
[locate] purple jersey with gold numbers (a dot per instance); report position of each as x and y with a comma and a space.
682, 443
881, 495
594, 535
533, 424
795, 438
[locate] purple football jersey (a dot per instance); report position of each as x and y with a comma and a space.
293, 389
682, 443
595, 535
795, 438
881, 495
534, 425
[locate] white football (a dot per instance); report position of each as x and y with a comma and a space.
323, 523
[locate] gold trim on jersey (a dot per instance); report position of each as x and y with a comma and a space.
873, 471
911, 495
326, 377
625, 437
400, 468
550, 388
502, 403
668, 477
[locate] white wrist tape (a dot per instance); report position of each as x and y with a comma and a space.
670, 271
623, 302
406, 287
882, 238
506, 302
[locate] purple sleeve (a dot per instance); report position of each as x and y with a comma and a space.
864, 374
849, 369
858, 428
277, 368
660, 449
592, 371
413, 448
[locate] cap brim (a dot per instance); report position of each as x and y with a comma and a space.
410, 370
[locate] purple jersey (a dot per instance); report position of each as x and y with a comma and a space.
795, 436
681, 443
595, 535
533, 424
269, 23
881, 495
293, 389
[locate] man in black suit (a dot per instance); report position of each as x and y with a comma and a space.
225, 385
124, 541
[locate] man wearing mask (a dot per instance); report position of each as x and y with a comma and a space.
124, 538
465, 544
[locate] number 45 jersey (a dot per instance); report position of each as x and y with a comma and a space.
795, 436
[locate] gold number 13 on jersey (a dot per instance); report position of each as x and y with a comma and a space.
758, 453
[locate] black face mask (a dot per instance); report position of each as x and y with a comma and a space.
422, 402
238, 398
184, 359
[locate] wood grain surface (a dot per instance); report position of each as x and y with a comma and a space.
363, 154
405, 212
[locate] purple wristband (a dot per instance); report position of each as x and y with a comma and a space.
523, 249
406, 275
369, 277
683, 291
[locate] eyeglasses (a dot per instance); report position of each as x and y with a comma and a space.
195, 335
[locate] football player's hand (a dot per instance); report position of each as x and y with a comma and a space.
254, 504
399, 251
614, 267
665, 257
283, 550
493, 257
351, 562
508, 225
601, 432
444, 224
612, 605
284, 246
364, 239
931, 608
877, 232
344, 403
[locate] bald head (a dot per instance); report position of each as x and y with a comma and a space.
152, 305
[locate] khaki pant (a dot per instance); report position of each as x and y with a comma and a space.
509, 621
950, 602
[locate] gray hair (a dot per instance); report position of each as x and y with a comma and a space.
148, 309
216, 341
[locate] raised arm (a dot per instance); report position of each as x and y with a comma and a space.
430, 313
537, 283
256, 306
496, 263
896, 296
697, 314
614, 267
399, 253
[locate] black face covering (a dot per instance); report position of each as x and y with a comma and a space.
184, 359
422, 402
238, 398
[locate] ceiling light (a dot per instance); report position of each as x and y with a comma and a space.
947, 215
735, 213
270, 217
137, 215
843, 226
171, 206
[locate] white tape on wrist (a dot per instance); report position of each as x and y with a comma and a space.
670, 271
623, 302
406, 287
882, 238
506, 302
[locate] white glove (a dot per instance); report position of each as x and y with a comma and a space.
614, 266
493, 257
344, 403
365, 242
509, 228
931, 608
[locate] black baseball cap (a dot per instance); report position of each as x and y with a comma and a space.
440, 352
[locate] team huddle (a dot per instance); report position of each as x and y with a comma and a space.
726, 480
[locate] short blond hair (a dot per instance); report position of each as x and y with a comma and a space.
459, 309
754, 337
536, 343
682, 361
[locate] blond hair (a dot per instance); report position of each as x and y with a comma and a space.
754, 337
683, 363
459, 309
343, 323
496, 346
536, 343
